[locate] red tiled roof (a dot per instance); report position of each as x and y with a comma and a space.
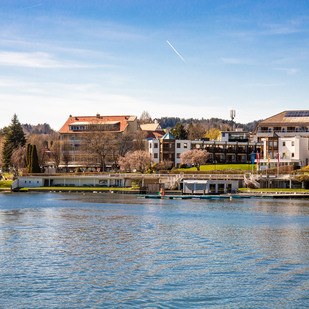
155, 135
96, 119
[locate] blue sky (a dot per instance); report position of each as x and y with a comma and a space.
112, 57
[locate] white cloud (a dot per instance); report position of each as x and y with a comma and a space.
236, 61
289, 71
34, 60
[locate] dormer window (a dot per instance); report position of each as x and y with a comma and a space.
77, 128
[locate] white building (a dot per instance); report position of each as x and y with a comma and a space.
285, 139
167, 148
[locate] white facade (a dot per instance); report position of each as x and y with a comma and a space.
220, 151
32, 182
291, 150
154, 149
209, 186
72, 181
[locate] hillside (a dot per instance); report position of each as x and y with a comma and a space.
37, 129
222, 124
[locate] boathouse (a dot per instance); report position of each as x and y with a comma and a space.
195, 186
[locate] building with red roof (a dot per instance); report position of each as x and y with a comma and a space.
80, 134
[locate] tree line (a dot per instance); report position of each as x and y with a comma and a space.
20, 151
212, 123
32, 151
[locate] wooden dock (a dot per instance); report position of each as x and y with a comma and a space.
253, 195
190, 197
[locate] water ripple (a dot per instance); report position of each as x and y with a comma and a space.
117, 252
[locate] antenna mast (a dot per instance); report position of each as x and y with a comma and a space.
232, 115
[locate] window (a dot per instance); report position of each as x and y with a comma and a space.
178, 145
185, 145
178, 155
292, 154
155, 145
150, 146
155, 155
283, 144
223, 134
292, 143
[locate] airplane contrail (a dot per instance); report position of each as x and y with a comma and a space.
175, 50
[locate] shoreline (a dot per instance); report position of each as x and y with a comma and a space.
169, 194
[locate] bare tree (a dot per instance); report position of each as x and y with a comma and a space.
195, 131
18, 158
139, 141
55, 154
138, 160
125, 143
195, 157
164, 165
145, 118
99, 145
66, 158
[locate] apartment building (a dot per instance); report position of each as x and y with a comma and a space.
221, 152
73, 141
285, 139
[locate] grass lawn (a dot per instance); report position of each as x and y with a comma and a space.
222, 167
76, 188
272, 190
5, 184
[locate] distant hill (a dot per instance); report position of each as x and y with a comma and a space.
221, 124
44, 128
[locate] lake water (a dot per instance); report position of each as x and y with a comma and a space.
117, 251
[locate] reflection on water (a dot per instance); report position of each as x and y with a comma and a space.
64, 251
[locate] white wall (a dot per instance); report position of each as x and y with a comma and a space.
30, 182
152, 150
304, 151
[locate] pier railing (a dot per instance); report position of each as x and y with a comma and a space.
139, 176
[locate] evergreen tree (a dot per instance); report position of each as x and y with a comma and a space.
34, 162
14, 137
179, 131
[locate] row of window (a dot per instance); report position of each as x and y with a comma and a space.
78, 128
280, 129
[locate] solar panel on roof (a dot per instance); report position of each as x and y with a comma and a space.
297, 114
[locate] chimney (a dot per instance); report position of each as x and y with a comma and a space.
98, 115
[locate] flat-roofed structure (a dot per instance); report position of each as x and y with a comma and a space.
169, 149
